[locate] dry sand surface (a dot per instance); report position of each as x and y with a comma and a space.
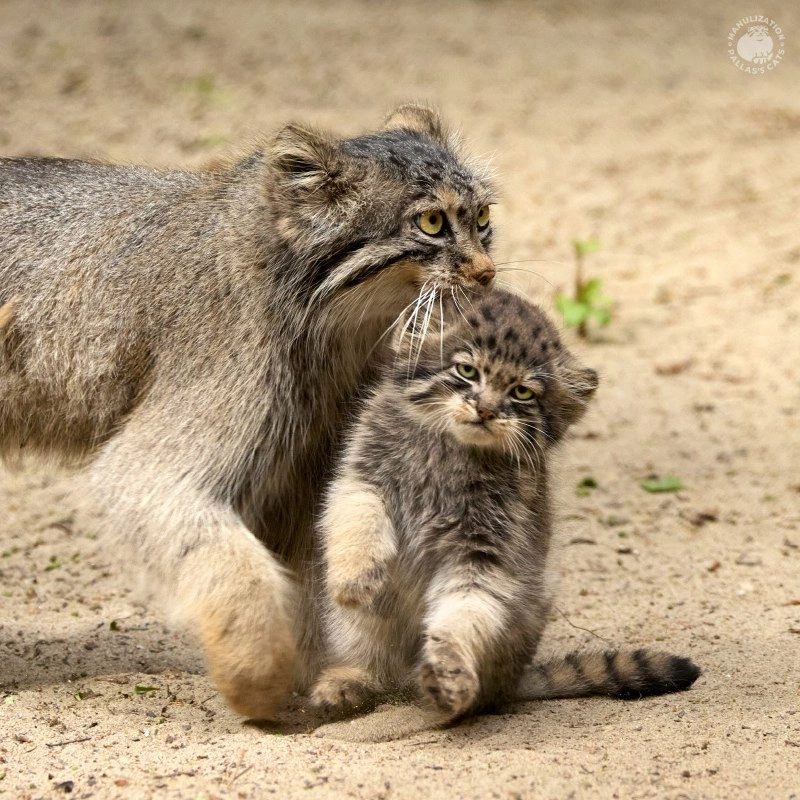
621, 121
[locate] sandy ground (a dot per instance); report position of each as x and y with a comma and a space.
622, 121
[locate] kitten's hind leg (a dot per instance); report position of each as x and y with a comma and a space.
460, 627
213, 572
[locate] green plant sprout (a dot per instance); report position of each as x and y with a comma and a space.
588, 302
667, 483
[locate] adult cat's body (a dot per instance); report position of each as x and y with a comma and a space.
196, 337
438, 526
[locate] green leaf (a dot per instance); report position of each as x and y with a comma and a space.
584, 246
145, 689
602, 315
669, 483
573, 312
113, 625
590, 291
585, 486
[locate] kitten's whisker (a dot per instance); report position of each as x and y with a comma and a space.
530, 447
536, 447
512, 450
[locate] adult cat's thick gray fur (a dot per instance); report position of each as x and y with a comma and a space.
195, 337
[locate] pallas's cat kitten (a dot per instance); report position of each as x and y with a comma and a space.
437, 529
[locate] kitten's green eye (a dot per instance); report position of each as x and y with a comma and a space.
522, 393
483, 217
431, 222
466, 371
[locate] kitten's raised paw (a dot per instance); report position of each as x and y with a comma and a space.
344, 689
446, 679
360, 591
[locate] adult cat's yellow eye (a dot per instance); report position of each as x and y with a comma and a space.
522, 393
483, 217
466, 371
431, 222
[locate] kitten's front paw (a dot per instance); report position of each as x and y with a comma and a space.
344, 688
361, 590
447, 679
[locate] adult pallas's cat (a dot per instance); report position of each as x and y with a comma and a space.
194, 339
437, 529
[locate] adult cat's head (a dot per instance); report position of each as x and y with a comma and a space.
400, 210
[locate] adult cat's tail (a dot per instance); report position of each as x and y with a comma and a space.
625, 674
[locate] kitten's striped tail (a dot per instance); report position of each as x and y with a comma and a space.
625, 674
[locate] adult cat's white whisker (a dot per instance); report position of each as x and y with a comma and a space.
411, 323
441, 331
425, 324
456, 304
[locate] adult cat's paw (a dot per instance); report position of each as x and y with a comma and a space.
344, 688
361, 590
250, 650
446, 678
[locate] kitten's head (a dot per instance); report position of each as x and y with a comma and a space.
495, 375
399, 205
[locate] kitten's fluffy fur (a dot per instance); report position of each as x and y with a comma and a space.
196, 337
437, 529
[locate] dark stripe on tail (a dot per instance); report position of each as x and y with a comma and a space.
624, 674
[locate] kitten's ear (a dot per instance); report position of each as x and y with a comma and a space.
308, 162
413, 117
579, 386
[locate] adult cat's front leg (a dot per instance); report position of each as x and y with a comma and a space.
214, 574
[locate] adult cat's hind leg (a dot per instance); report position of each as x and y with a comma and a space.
215, 575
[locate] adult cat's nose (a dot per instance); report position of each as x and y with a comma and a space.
486, 277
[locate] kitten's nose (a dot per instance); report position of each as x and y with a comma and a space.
486, 414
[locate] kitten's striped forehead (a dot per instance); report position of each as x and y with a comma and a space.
505, 327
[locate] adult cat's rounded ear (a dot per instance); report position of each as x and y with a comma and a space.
309, 162
419, 118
